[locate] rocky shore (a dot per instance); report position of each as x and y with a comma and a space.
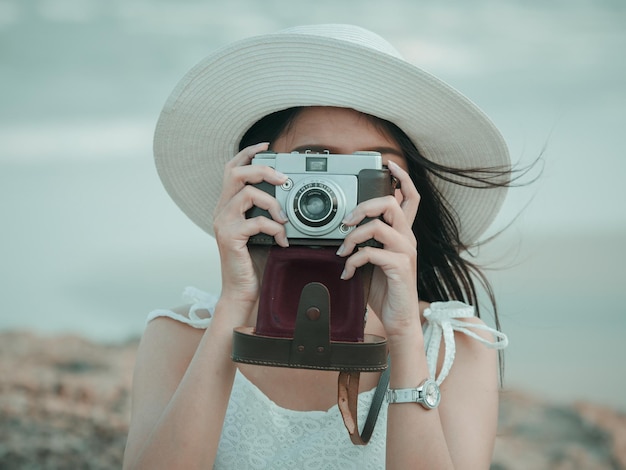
64, 404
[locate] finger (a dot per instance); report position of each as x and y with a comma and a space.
238, 177
243, 230
238, 171
392, 240
267, 226
234, 212
387, 207
410, 195
253, 174
237, 229
394, 265
247, 154
250, 197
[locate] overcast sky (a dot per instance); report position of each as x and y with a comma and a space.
86, 78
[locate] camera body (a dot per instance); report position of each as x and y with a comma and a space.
321, 189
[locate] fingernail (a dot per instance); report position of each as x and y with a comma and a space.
283, 241
281, 175
283, 216
343, 274
340, 250
348, 218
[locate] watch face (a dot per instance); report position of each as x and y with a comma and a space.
430, 392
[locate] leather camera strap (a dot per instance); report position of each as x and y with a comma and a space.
347, 400
348, 389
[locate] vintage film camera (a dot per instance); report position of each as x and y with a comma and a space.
321, 190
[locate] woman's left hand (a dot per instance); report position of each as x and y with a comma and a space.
393, 292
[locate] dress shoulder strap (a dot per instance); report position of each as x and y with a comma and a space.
201, 308
442, 320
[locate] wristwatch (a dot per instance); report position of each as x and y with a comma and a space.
427, 395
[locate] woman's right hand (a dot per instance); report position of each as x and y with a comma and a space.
232, 229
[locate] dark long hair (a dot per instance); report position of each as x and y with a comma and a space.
443, 273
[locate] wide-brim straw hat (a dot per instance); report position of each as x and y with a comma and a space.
220, 98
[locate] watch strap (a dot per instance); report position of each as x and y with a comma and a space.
427, 394
403, 395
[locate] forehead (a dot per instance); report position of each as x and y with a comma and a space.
329, 125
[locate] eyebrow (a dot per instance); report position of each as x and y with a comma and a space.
322, 148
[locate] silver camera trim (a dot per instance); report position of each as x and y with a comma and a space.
340, 175
295, 215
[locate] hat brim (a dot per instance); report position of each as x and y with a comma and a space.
212, 107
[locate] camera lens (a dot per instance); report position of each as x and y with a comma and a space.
315, 204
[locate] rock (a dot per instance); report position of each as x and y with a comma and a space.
614, 424
65, 403
537, 435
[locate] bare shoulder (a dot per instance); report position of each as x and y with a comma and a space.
170, 337
165, 350
468, 348
469, 403
474, 359
164, 353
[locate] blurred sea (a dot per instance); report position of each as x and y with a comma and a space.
90, 242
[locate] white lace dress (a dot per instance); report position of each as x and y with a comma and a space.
258, 434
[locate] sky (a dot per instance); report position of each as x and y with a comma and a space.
90, 242
88, 77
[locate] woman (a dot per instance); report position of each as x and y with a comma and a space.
342, 89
